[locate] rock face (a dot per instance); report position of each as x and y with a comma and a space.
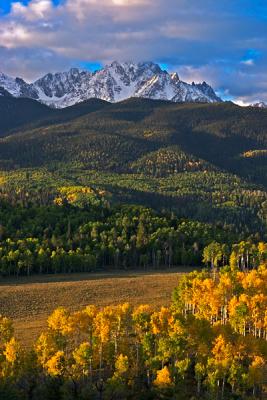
4, 92
115, 82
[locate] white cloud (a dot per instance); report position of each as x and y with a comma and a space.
242, 103
14, 36
202, 39
90, 29
249, 62
36, 9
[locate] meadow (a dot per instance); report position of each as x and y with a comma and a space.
29, 301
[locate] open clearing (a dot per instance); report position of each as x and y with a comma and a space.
28, 301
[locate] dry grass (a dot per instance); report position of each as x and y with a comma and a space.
29, 301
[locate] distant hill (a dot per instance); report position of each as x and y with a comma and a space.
205, 161
19, 112
121, 136
22, 113
261, 104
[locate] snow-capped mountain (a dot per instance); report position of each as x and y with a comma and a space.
4, 92
10, 85
17, 87
115, 82
261, 104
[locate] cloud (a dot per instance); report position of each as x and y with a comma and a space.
248, 62
28, 63
244, 85
224, 43
35, 10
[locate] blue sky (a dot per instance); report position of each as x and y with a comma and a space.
223, 42
5, 5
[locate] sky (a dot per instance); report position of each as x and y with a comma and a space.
223, 42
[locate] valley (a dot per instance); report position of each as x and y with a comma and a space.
105, 211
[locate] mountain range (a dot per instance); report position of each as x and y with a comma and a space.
115, 82
260, 104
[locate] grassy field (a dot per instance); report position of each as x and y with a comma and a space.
28, 301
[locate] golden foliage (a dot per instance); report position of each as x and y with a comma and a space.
163, 378
12, 350
55, 365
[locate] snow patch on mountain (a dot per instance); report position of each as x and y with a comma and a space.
4, 92
260, 104
11, 85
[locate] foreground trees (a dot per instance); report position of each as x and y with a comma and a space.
211, 343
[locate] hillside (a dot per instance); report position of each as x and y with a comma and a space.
22, 113
204, 161
124, 137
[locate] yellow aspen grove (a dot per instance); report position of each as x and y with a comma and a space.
81, 324
222, 351
121, 365
208, 305
55, 365
182, 366
257, 373
121, 320
12, 351
6, 329
239, 314
219, 364
163, 378
200, 373
45, 347
233, 260
210, 343
117, 384
225, 290
83, 357
160, 321
258, 307
123, 317
262, 249
141, 318
59, 321
102, 330
103, 321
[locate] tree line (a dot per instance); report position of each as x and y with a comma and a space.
63, 238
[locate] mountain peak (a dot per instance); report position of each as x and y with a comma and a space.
260, 104
4, 92
117, 81
175, 77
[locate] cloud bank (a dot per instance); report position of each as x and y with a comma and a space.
223, 42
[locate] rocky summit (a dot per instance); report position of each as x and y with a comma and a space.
115, 82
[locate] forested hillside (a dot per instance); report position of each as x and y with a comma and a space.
224, 134
198, 173
22, 113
